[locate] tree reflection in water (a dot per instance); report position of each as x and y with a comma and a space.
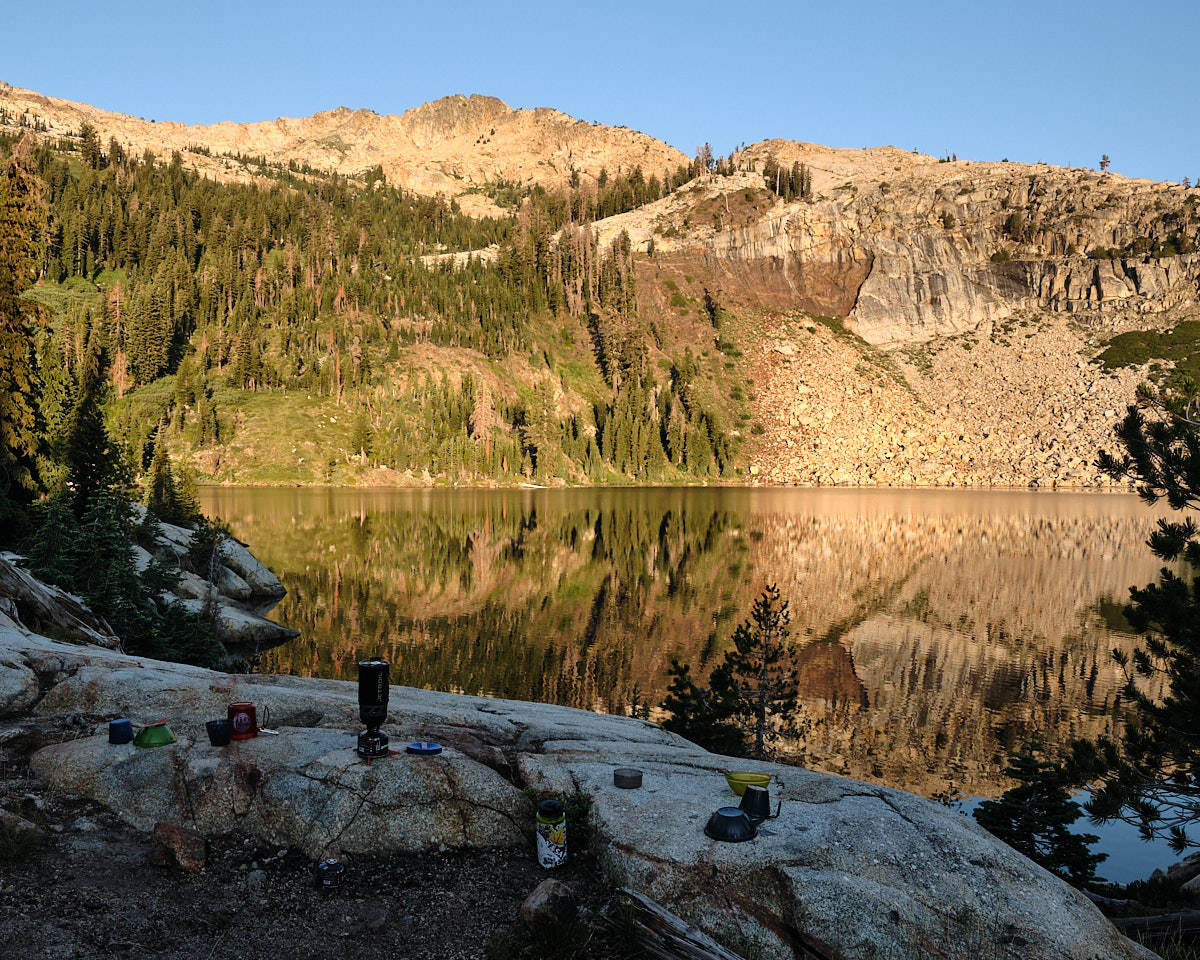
937, 630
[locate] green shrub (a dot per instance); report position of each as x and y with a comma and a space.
1180, 344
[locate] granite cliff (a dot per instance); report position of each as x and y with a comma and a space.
910, 248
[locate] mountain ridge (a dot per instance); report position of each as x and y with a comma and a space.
905, 319
444, 146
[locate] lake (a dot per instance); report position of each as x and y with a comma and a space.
936, 630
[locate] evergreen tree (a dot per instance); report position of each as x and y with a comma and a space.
49, 554
107, 576
89, 146
753, 690
20, 228
1034, 819
55, 403
541, 430
166, 497
361, 436
1152, 778
89, 455
758, 674
700, 715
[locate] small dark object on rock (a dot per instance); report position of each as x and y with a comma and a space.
120, 731
176, 846
552, 903
627, 778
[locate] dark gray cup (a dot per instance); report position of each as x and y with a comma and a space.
219, 732
756, 803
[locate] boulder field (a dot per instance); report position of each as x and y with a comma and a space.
847, 869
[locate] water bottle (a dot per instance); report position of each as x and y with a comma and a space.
551, 834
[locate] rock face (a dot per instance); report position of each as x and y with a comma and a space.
23, 596
241, 591
1021, 403
18, 688
949, 246
924, 362
869, 870
909, 249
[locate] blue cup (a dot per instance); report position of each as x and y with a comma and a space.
120, 731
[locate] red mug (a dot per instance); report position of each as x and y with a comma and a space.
244, 718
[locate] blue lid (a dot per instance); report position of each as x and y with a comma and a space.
424, 748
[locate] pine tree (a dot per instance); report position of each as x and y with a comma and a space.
1034, 819
701, 716
89, 455
20, 229
49, 555
1152, 778
753, 690
540, 432
108, 577
167, 497
361, 436
758, 673
89, 146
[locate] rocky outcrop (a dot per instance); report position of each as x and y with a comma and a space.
910, 249
868, 870
25, 597
954, 245
241, 590
235, 600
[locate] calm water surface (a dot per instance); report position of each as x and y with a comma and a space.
937, 629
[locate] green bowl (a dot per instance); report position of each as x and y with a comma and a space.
158, 735
738, 780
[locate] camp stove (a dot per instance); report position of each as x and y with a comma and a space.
372, 707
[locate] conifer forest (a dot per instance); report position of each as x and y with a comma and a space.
203, 308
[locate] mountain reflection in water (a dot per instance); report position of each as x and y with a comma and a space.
937, 630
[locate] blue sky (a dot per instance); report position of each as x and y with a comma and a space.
1054, 81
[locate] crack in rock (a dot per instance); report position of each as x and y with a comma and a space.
181, 776
362, 802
